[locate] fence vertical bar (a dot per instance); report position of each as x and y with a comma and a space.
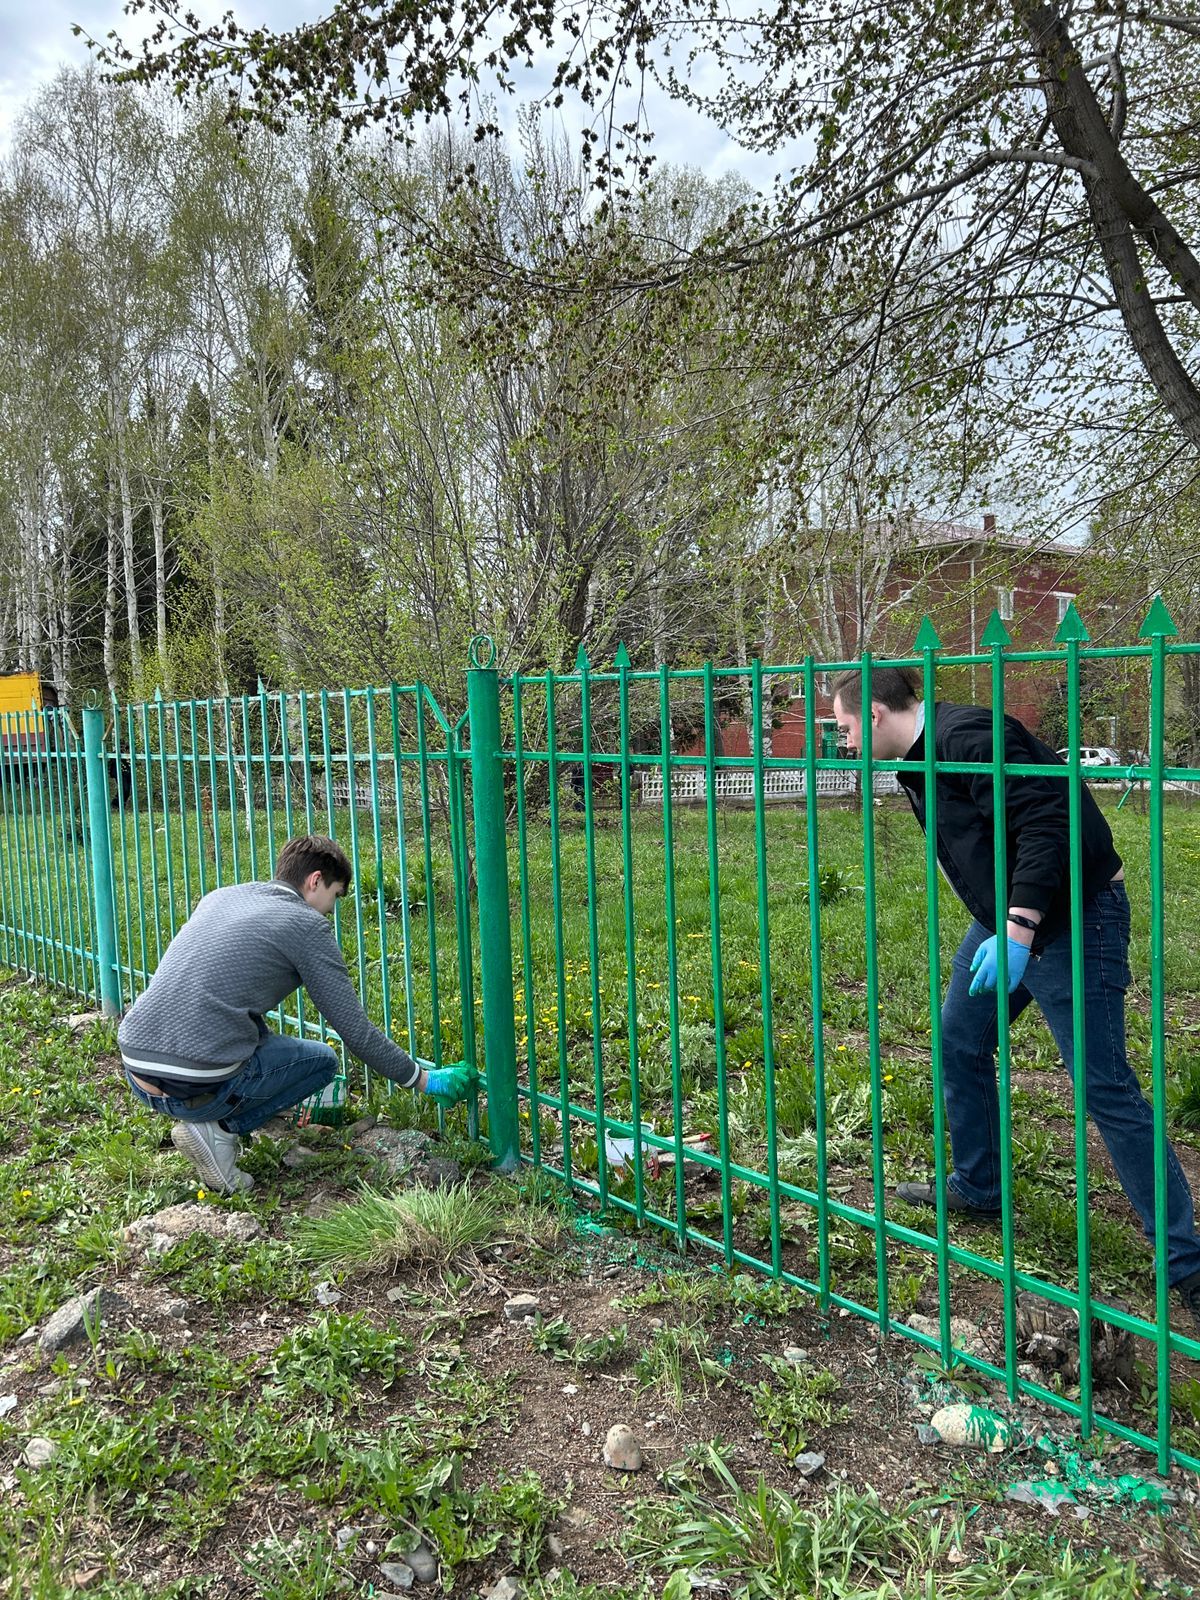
402, 849
996, 637
928, 643
67, 840
631, 1006
456, 761
1157, 627
764, 961
495, 930
812, 842
589, 853
435, 1002
664, 724
560, 1013
101, 858
16, 953
135, 814
528, 997
872, 954
718, 975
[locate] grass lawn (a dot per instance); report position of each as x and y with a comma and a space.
282, 1410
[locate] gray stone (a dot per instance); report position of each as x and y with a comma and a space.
327, 1295
622, 1452
398, 1573
423, 1563
397, 1292
346, 1537
808, 1463
357, 1129
8, 1402
39, 1452
298, 1156
28, 1336
177, 1308
435, 1172
795, 1356
928, 1435
397, 1150
554, 1547
69, 1324
157, 1233
522, 1306
507, 1588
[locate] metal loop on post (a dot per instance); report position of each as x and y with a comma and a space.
481, 652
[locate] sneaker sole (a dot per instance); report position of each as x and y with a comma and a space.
189, 1143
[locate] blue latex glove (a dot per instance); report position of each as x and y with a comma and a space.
985, 963
450, 1086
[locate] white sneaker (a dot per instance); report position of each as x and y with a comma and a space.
213, 1152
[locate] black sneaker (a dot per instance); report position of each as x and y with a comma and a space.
924, 1194
1189, 1292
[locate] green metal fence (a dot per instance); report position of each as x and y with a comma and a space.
688, 1009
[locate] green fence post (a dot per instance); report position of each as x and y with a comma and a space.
101, 856
495, 930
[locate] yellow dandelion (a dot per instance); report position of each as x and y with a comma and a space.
201, 1194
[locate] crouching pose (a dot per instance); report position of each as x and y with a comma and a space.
194, 1044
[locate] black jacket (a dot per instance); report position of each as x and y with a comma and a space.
1037, 823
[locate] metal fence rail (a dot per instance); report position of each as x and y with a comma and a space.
626, 955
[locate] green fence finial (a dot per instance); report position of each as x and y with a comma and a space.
996, 632
621, 659
1071, 627
582, 664
481, 652
927, 636
1159, 623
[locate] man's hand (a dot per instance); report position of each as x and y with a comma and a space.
450, 1086
986, 961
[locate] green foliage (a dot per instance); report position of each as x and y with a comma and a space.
331, 1360
797, 1401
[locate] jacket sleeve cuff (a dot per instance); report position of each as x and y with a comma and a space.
1032, 893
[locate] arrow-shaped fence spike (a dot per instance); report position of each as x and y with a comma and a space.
927, 636
996, 632
1071, 627
1159, 623
621, 659
582, 664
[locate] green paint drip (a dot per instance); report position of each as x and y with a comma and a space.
1082, 1477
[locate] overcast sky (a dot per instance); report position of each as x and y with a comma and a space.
36, 39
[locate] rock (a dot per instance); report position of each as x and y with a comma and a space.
177, 1308
39, 1452
622, 1452
327, 1295
28, 1336
158, 1233
8, 1402
275, 1128
357, 1129
397, 1292
70, 1322
346, 1537
435, 1172
1050, 1497
398, 1573
82, 1019
423, 1562
554, 1547
969, 1426
298, 1156
397, 1150
318, 1132
795, 1356
807, 1464
505, 1589
965, 1334
928, 1434
522, 1306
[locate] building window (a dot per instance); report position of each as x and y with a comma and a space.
1005, 604
1063, 601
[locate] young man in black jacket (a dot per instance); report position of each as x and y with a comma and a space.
1038, 934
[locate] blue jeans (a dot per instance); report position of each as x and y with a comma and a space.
970, 1035
279, 1074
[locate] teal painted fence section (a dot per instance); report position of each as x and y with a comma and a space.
653, 963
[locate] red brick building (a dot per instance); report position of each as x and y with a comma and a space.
957, 574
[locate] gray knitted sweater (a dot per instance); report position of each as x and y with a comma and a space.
242, 951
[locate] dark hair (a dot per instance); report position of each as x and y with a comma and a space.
300, 858
897, 688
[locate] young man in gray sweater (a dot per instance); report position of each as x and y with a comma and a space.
194, 1043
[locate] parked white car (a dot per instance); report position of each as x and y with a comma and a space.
1093, 755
